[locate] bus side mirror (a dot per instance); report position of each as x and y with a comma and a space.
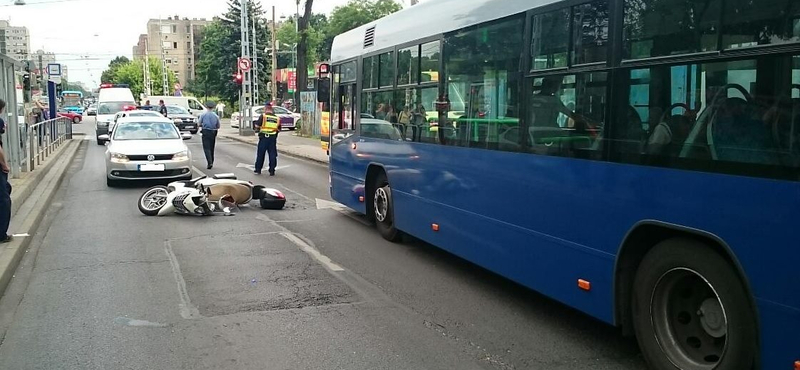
323, 90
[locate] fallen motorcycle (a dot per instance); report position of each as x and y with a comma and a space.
205, 196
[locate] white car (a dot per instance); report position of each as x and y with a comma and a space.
289, 120
147, 148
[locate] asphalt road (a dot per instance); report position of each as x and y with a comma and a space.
309, 287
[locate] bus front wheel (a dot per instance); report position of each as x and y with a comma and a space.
383, 208
691, 310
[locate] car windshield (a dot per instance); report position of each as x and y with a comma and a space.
280, 110
112, 107
146, 131
174, 109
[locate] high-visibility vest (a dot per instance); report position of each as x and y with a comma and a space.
270, 125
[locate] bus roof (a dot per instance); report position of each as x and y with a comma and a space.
424, 20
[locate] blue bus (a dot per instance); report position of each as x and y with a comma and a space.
72, 101
638, 160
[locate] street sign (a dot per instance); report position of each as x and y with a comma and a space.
245, 64
54, 69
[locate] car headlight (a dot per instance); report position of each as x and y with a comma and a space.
119, 158
181, 156
177, 120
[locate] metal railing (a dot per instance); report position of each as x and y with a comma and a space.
28, 145
42, 139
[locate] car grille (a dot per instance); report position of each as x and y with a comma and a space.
148, 174
158, 157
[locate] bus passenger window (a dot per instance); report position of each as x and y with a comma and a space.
743, 116
751, 23
670, 27
481, 65
566, 115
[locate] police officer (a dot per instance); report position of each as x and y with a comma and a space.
268, 126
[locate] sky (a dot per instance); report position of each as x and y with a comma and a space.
86, 34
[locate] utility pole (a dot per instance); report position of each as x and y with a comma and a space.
245, 127
165, 79
148, 85
255, 64
274, 59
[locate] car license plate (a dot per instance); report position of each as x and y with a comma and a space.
151, 167
190, 126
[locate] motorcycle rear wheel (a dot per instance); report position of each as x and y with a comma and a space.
153, 199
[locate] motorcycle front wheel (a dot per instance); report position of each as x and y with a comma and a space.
153, 199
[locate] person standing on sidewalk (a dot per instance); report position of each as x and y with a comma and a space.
268, 126
209, 122
5, 188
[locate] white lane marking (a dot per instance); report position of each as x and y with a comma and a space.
188, 311
245, 165
197, 171
253, 167
326, 204
321, 258
22, 235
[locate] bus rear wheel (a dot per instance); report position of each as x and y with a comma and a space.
383, 208
691, 310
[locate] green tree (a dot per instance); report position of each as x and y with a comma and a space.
229, 50
113, 66
132, 74
354, 14
213, 75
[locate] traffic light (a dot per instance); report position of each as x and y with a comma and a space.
238, 78
59, 89
26, 81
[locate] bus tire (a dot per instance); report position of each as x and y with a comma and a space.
686, 294
383, 207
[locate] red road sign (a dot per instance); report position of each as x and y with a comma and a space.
245, 64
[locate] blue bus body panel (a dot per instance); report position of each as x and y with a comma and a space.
546, 222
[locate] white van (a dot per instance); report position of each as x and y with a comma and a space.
189, 102
113, 99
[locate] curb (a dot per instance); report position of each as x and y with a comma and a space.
282, 151
23, 189
11, 254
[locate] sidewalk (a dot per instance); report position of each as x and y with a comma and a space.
30, 199
288, 143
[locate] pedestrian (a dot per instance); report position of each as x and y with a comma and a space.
162, 108
268, 126
5, 188
209, 122
147, 105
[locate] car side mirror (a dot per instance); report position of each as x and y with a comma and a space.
186, 135
103, 137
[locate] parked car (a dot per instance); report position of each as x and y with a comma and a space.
74, 117
91, 110
288, 119
183, 120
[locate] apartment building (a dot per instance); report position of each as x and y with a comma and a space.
179, 40
14, 41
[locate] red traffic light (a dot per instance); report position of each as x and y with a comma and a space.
238, 78
324, 68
